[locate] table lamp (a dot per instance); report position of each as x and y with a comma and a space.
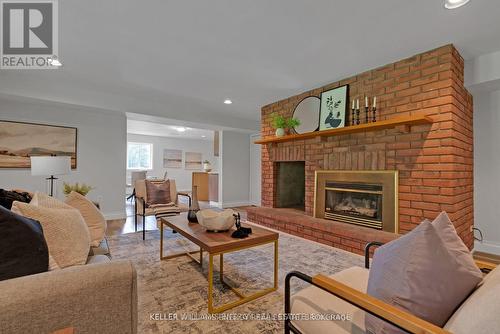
50, 166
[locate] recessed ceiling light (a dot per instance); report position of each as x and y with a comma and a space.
228, 101
203, 136
180, 128
452, 4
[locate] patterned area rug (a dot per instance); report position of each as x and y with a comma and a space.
173, 289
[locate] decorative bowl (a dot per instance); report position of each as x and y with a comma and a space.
216, 221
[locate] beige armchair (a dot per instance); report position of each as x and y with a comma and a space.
141, 207
345, 293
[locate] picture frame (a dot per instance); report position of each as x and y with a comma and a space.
21, 140
334, 108
193, 161
172, 158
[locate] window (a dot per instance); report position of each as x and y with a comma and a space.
139, 156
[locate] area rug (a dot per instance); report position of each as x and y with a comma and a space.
172, 294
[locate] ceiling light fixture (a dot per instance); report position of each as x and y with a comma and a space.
452, 4
203, 136
180, 129
228, 101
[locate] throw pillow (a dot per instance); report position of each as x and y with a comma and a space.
42, 199
65, 231
91, 214
158, 192
455, 245
417, 273
23, 248
8, 197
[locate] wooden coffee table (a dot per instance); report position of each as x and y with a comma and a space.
219, 244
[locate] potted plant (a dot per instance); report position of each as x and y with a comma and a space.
82, 189
207, 167
282, 124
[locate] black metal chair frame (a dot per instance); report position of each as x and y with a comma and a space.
143, 214
289, 327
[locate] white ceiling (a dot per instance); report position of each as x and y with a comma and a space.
164, 130
181, 59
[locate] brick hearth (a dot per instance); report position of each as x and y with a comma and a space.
435, 162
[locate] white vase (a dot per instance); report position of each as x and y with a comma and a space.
207, 167
280, 132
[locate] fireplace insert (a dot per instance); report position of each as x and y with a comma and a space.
355, 203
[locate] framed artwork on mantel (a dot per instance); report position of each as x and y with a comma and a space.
19, 141
333, 110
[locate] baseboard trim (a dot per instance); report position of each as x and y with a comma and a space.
487, 247
115, 215
215, 204
235, 204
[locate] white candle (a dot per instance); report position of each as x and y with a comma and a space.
352, 104
357, 104
366, 101
375, 102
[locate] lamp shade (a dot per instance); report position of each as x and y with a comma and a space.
50, 165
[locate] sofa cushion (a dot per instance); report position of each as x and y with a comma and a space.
478, 314
158, 192
414, 273
23, 248
313, 300
65, 231
98, 259
91, 214
8, 197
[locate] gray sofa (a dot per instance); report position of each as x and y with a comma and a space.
99, 297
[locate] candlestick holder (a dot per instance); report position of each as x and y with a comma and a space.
357, 117
366, 114
353, 116
374, 114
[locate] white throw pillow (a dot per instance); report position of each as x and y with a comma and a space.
64, 229
91, 214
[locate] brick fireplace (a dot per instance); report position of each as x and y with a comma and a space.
434, 161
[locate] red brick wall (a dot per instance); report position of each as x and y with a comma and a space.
435, 162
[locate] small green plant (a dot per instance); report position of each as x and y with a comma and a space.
206, 162
82, 189
292, 122
280, 122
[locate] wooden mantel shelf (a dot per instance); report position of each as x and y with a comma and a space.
406, 121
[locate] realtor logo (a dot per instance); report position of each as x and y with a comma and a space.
29, 38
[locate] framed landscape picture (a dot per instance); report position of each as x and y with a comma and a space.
172, 158
333, 110
19, 141
193, 160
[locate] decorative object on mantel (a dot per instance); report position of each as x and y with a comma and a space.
353, 113
215, 221
207, 167
367, 110
374, 109
194, 206
334, 105
281, 124
406, 121
37, 140
307, 113
82, 189
357, 112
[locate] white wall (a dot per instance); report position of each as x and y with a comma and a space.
255, 171
235, 169
181, 176
101, 150
487, 169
